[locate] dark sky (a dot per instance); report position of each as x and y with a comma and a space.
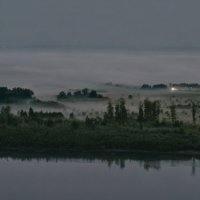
100, 23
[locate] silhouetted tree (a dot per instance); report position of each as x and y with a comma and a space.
15, 94
69, 94
130, 96
147, 110
77, 93
71, 116
109, 114
23, 114
61, 95
173, 113
123, 110
194, 111
155, 110
121, 113
141, 116
5, 114
90, 122
85, 91
5, 111
31, 113
87, 121
160, 86
151, 110
110, 111
146, 87
93, 94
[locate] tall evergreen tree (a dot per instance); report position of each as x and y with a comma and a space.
109, 114
173, 113
123, 111
5, 114
155, 110
141, 116
147, 110
117, 112
194, 111
31, 113
151, 110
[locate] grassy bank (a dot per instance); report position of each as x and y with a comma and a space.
77, 136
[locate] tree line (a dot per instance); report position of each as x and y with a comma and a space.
12, 95
148, 114
84, 93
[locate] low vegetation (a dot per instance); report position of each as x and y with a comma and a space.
118, 129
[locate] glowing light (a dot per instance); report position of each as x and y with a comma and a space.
173, 89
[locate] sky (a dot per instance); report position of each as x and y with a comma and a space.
100, 23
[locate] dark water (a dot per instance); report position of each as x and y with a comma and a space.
97, 176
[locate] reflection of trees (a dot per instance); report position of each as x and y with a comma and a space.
118, 162
146, 160
193, 166
150, 164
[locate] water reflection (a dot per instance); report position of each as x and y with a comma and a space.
147, 161
98, 175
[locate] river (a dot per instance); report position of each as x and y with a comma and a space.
97, 176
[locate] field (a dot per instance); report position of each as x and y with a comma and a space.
127, 119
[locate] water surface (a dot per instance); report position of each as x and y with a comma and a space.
89, 176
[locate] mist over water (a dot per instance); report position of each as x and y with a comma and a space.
47, 72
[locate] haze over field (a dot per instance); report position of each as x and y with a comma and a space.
51, 71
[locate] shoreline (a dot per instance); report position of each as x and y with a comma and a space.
104, 151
